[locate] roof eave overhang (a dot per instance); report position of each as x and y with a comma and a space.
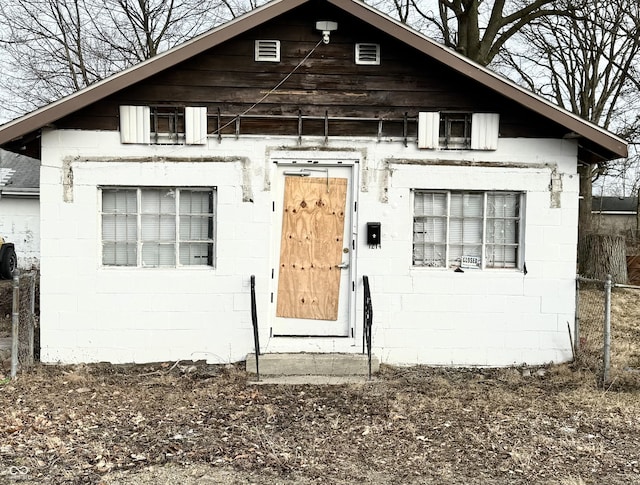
26, 192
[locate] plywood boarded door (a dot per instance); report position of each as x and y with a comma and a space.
314, 257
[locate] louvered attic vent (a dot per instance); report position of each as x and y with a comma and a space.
368, 54
268, 50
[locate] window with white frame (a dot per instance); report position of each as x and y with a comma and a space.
456, 229
158, 226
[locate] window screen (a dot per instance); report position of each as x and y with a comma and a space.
158, 227
466, 229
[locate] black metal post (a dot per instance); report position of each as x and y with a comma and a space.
368, 321
254, 321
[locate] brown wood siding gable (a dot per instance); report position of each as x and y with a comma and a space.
227, 78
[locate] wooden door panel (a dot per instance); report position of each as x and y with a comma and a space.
311, 248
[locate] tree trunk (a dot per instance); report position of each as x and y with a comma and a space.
601, 255
584, 208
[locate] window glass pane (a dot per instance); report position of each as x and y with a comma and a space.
196, 202
502, 205
503, 231
121, 201
196, 254
119, 227
430, 204
158, 227
467, 205
501, 256
195, 228
155, 255
159, 201
429, 229
465, 231
430, 255
119, 254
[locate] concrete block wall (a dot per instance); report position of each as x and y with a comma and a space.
429, 316
93, 313
486, 318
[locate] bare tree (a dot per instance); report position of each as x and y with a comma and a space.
140, 29
46, 50
587, 64
51, 48
478, 29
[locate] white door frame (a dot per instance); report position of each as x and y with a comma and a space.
279, 166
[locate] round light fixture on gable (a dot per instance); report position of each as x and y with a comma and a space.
326, 26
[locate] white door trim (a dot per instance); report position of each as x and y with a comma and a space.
278, 166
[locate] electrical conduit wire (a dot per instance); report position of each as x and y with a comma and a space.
272, 90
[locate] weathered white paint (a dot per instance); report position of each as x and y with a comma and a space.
431, 316
20, 225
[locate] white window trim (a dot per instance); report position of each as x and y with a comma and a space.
177, 241
519, 265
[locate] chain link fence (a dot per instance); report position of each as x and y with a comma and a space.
607, 331
19, 328
27, 318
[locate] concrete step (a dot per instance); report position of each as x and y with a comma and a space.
309, 380
308, 364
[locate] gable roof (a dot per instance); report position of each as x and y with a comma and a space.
596, 142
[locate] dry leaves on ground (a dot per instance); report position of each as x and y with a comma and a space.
104, 423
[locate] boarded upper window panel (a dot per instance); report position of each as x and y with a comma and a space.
267, 51
368, 54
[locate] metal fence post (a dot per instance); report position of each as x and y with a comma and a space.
32, 317
607, 331
576, 330
15, 321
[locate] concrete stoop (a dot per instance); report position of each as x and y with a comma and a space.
310, 368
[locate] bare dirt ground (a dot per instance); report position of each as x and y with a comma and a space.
156, 424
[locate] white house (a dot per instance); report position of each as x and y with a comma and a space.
309, 143
20, 206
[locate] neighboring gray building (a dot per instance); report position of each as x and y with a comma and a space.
20, 206
615, 215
